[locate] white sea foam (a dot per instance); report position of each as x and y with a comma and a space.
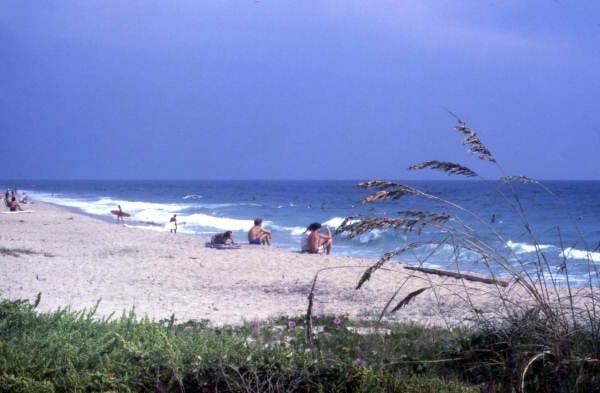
101, 206
568, 253
334, 222
572, 253
295, 231
524, 248
370, 236
144, 211
215, 206
298, 231
221, 223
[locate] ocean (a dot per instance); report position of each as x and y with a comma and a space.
561, 220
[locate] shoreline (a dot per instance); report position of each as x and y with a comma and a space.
78, 262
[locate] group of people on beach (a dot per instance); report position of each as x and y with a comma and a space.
313, 241
11, 200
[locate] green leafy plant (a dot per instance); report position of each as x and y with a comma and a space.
66, 351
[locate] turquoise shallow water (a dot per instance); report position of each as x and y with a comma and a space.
560, 220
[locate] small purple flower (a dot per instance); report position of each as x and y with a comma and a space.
337, 321
291, 324
320, 316
359, 362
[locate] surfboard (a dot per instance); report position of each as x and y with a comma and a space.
171, 224
18, 211
119, 213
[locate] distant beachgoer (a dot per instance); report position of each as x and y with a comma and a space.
173, 220
259, 235
120, 214
223, 238
24, 198
14, 205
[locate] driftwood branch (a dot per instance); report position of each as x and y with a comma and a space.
458, 275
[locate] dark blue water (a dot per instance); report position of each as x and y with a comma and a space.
503, 225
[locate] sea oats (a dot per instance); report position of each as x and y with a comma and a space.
408, 299
472, 141
448, 167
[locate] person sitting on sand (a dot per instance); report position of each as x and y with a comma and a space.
258, 235
223, 238
14, 205
316, 242
304, 240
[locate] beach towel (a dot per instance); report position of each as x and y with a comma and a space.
228, 246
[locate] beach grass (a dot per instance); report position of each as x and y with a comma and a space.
545, 341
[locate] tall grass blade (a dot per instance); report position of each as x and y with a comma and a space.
408, 299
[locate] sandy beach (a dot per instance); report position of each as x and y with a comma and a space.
76, 261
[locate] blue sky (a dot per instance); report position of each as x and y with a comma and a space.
149, 89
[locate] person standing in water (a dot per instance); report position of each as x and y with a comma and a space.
120, 214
